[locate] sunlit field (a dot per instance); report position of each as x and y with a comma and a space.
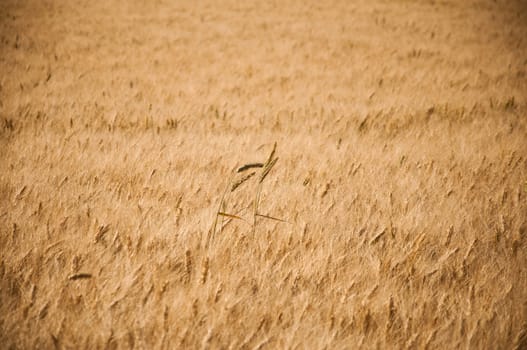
263, 174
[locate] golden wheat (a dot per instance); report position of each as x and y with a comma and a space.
143, 205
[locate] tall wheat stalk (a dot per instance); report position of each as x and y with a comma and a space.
234, 185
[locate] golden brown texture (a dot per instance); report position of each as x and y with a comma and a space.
402, 136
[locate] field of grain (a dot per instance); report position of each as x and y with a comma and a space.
401, 174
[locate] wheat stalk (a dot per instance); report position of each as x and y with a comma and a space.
221, 212
241, 181
212, 231
266, 169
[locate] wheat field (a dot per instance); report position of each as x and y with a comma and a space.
394, 215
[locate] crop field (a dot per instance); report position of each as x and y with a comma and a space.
263, 174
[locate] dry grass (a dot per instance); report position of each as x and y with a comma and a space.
401, 130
